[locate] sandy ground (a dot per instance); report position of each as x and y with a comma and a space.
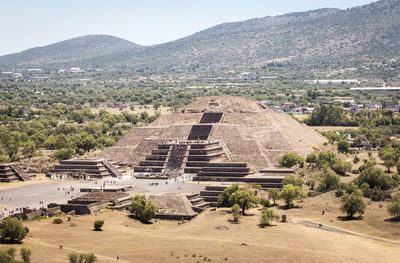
170, 241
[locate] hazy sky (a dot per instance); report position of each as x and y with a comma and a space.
30, 23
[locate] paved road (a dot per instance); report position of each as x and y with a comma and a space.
60, 191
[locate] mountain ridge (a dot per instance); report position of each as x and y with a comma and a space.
325, 38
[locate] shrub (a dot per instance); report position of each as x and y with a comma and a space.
311, 183
326, 158
339, 193
235, 213
12, 230
290, 159
267, 215
352, 204
312, 158
26, 255
57, 221
98, 225
284, 218
5, 257
82, 258
356, 159
265, 202
394, 210
11, 251
341, 167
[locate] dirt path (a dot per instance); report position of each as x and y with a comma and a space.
308, 223
74, 250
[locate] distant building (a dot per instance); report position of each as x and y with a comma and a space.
331, 81
376, 89
373, 105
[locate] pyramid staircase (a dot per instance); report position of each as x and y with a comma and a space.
11, 172
211, 117
176, 156
200, 132
156, 161
112, 169
184, 154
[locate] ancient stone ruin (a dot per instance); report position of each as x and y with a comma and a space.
10, 172
223, 138
85, 169
95, 201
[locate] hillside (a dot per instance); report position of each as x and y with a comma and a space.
325, 38
70, 51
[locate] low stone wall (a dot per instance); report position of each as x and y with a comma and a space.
83, 209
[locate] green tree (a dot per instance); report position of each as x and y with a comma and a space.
267, 215
289, 193
290, 159
389, 156
375, 178
63, 154
326, 158
12, 230
328, 182
291, 179
394, 210
143, 209
235, 213
223, 198
343, 146
352, 204
245, 198
29, 149
274, 194
98, 224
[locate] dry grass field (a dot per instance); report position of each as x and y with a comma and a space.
210, 236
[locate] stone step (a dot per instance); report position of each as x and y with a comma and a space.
197, 200
222, 174
210, 193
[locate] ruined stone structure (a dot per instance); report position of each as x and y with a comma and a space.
173, 206
86, 168
10, 172
95, 201
218, 139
